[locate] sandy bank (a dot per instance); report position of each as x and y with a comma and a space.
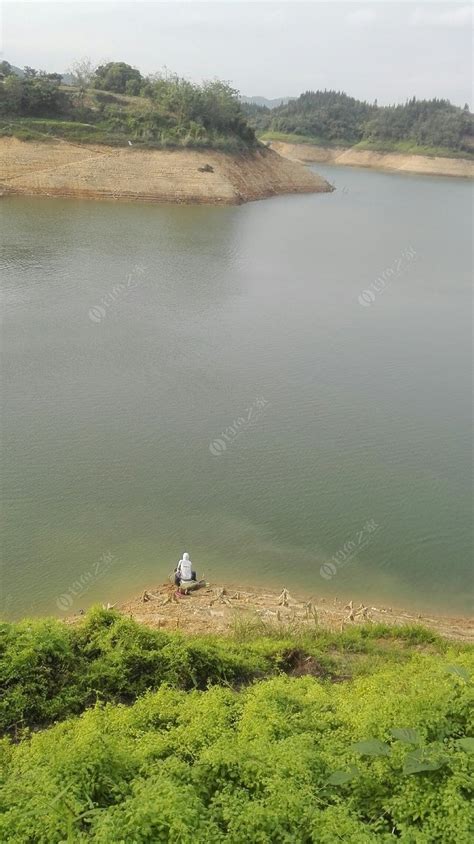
216, 609
433, 166
59, 168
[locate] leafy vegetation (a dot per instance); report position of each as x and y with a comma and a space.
114, 104
49, 670
251, 738
119, 77
331, 118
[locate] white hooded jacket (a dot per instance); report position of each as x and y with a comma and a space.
185, 568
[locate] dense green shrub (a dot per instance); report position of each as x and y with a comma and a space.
119, 77
116, 105
283, 760
37, 93
50, 670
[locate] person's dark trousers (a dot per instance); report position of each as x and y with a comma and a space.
177, 579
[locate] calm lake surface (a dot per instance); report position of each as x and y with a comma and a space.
216, 380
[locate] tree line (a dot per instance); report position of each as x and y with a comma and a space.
167, 109
334, 117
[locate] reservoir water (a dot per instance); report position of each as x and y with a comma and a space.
283, 389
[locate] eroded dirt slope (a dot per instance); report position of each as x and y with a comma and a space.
60, 168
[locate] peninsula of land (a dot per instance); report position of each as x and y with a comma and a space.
59, 168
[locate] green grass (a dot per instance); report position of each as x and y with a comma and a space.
290, 138
46, 130
411, 148
284, 136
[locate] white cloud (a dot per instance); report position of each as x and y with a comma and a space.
458, 16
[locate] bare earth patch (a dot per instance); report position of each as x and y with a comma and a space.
429, 165
60, 168
218, 609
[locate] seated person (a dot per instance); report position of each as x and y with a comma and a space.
184, 571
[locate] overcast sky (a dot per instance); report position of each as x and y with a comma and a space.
380, 49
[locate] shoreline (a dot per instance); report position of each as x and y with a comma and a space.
218, 608
190, 176
371, 159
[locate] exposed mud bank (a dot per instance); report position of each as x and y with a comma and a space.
432, 166
59, 168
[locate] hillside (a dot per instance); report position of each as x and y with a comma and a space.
114, 104
117, 733
331, 118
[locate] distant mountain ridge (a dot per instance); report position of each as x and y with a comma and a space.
67, 78
263, 101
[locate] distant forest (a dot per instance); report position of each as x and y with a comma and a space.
114, 104
332, 117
